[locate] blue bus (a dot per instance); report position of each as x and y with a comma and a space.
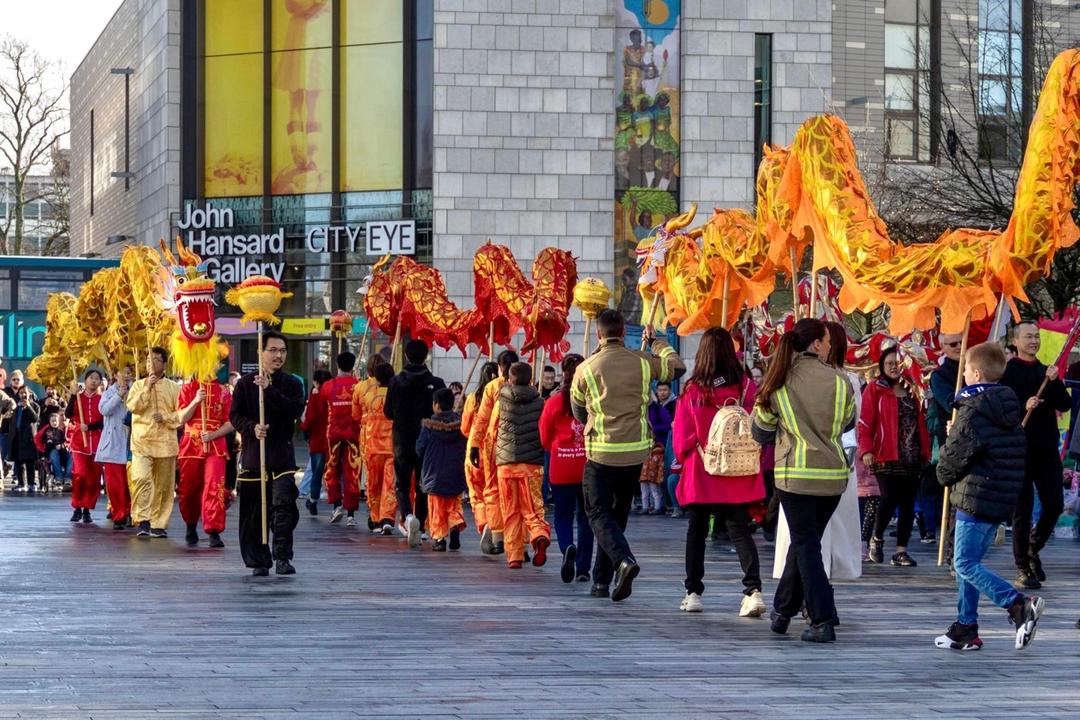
25, 284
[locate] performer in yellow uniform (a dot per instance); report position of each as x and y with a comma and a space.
154, 446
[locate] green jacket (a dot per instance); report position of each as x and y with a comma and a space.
610, 396
806, 419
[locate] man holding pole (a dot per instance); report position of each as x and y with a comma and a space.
204, 453
152, 402
284, 403
1043, 395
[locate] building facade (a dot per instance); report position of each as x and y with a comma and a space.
576, 123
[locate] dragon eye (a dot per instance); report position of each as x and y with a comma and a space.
181, 280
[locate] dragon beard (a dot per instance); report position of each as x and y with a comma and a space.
199, 360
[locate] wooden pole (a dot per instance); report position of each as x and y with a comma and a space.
472, 370
206, 389
945, 495
262, 443
78, 404
724, 302
794, 285
588, 329
813, 294
362, 353
538, 368
651, 322
491, 341
395, 350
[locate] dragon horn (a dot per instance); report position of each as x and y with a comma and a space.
165, 251
186, 256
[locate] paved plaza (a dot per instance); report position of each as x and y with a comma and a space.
97, 624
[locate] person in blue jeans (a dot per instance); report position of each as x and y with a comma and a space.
56, 449
983, 462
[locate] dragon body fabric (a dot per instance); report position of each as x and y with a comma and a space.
415, 295
811, 194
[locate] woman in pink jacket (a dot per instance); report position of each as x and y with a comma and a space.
718, 379
895, 445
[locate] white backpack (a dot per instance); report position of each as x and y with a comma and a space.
731, 450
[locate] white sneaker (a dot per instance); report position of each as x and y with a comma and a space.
350, 522
387, 529
752, 605
412, 525
402, 531
487, 543
692, 603
337, 515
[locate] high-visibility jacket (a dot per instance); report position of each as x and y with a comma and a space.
610, 395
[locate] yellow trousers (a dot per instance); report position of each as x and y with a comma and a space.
153, 483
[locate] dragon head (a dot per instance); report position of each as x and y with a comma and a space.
192, 294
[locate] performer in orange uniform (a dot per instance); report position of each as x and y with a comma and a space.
343, 442
368, 400
204, 413
482, 438
82, 408
474, 477
520, 459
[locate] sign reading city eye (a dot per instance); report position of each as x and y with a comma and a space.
233, 257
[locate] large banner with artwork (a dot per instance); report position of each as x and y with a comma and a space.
646, 132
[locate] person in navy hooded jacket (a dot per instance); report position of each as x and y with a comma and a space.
441, 448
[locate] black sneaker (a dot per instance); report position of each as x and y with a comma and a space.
438, 546
876, 553
499, 548
585, 577
260, 572
77, 515
1025, 579
455, 539
215, 540
86, 516
158, 533
192, 537
902, 559
599, 591
569, 560
625, 573
144, 528
823, 633
284, 567
959, 637
779, 623
1025, 614
312, 507
119, 525
1035, 565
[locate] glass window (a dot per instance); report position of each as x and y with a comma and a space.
907, 79
234, 27
35, 286
900, 46
423, 141
762, 95
371, 117
5, 293
425, 19
994, 94
899, 92
367, 22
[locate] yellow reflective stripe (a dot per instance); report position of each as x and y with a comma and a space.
597, 411
796, 473
838, 415
765, 417
645, 381
667, 352
788, 414
635, 446
577, 394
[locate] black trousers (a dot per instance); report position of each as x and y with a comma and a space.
804, 579
25, 472
898, 490
609, 492
772, 502
281, 517
697, 530
1042, 475
406, 470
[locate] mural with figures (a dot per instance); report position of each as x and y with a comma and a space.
646, 133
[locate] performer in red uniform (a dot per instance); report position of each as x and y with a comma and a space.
343, 441
204, 453
82, 409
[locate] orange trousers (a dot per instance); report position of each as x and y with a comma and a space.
492, 504
519, 488
474, 478
381, 498
444, 515
343, 469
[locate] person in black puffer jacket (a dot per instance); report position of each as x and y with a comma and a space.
519, 457
441, 448
983, 461
408, 403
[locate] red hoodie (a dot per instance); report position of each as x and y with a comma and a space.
340, 424
314, 423
879, 424
563, 437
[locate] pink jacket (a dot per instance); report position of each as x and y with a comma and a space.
693, 416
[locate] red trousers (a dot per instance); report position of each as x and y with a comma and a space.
519, 488
85, 481
116, 487
444, 515
381, 493
202, 491
343, 467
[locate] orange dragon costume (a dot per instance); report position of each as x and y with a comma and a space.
369, 396
203, 403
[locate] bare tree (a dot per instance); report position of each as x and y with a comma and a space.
32, 121
55, 228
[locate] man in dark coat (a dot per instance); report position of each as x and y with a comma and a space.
408, 403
